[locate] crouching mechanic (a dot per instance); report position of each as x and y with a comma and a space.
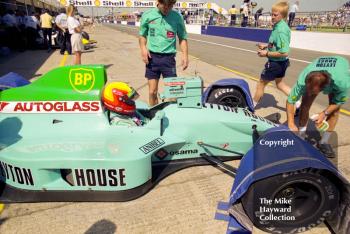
119, 98
330, 75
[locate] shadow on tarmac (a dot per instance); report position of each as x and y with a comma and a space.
102, 227
268, 100
25, 63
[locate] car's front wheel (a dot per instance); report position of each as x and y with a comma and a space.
291, 202
228, 96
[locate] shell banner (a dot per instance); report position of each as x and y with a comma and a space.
133, 4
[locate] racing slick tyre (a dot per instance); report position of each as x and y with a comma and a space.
229, 96
291, 202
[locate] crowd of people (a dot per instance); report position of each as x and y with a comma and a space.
36, 31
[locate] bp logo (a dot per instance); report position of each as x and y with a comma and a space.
81, 79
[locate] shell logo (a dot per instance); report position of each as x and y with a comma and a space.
63, 2
184, 5
97, 3
220, 10
128, 3
209, 5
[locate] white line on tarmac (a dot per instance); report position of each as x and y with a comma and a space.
218, 44
238, 48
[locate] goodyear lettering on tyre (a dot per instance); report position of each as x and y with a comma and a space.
82, 80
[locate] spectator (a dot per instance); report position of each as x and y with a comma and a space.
330, 75
245, 13
10, 23
293, 10
158, 30
46, 26
32, 25
75, 30
233, 13
257, 14
276, 51
63, 33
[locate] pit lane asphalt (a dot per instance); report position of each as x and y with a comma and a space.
240, 57
184, 202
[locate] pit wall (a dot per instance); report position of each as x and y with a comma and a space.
335, 43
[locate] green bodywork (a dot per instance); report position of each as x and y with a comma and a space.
79, 149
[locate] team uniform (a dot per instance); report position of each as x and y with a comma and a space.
160, 31
278, 42
338, 69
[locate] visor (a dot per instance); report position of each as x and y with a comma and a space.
133, 94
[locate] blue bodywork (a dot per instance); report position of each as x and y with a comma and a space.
231, 82
262, 161
11, 80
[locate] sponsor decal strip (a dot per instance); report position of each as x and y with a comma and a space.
51, 107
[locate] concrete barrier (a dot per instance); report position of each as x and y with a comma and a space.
338, 43
193, 28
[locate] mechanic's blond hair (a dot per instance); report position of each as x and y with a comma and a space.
70, 10
282, 7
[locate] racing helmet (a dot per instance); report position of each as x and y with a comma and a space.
119, 97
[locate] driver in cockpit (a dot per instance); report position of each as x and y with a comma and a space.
119, 98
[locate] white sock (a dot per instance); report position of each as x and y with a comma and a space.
325, 137
302, 132
297, 104
255, 103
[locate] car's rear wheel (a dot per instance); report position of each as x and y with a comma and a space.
228, 96
291, 202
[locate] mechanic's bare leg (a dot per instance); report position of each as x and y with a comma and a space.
332, 119
153, 91
282, 86
77, 58
259, 92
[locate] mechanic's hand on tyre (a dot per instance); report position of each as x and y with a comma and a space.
145, 56
184, 62
320, 118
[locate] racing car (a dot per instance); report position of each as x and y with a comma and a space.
57, 143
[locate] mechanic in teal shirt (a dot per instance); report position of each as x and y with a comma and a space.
331, 75
276, 51
158, 30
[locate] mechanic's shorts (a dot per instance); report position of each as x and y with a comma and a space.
274, 69
161, 64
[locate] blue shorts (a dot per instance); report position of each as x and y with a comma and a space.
161, 64
274, 69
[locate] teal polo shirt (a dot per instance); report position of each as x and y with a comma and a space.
337, 67
161, 30
279, 39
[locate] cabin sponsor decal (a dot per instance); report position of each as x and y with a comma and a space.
150, 146
51, 107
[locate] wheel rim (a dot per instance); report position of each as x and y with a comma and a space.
306, 197
231, 101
